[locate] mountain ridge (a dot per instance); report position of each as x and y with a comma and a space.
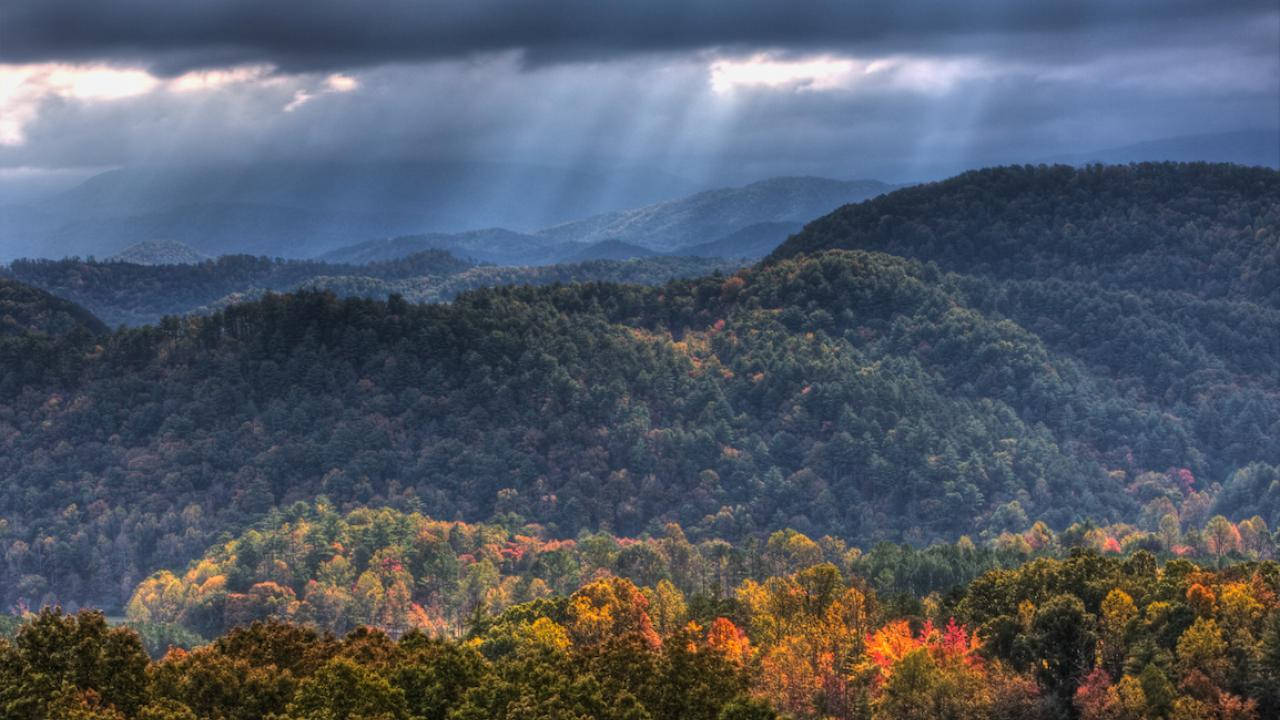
711, 214
827, 389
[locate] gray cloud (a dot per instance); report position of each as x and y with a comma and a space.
308, 35
616, 85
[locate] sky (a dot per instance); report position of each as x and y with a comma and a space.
715, 92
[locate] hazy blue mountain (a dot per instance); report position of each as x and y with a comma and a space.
159, 252
752, 241
713, 214
22, 228
742, 222
132, 294
610, 250
299, 210
493, 245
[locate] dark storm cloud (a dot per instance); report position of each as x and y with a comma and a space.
302, 35
927, 87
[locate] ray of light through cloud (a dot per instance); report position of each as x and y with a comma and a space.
770, 93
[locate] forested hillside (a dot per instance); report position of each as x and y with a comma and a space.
24, 309
1209, 230
123, 293
848, 393
42, 338
1161, 279
398, 571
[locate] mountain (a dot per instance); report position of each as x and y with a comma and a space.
746, 222
752, 241
124, 293
298, 210
1243, 147
159, 252
210, 228
1057, 376
1208, 230
671, 226
43, 339
610, 250
493, 245
1163, 280
430, 288
25, 309
803, 394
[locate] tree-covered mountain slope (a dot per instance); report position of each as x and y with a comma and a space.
393, 570
1211, 230
126, 293
1163, 279
43, 338
130, 293
26, 309
848, 393
853, 393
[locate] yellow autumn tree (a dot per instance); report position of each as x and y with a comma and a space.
608, 608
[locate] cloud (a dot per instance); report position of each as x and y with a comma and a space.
24, 87
316, 35
714, 92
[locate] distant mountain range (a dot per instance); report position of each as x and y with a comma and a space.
752, 241
715, 214
135, 293
299, 210
741, 222
493, 245
535, 215
1078, 347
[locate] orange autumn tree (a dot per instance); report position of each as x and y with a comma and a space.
730, 641
890, 644
935, 673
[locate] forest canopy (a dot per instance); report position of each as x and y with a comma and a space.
1086, 636
848, 393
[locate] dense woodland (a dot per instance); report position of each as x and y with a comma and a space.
854, 394
1086, 636
1206, 229
399, 572
123, 293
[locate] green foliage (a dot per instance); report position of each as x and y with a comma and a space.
1204, 228
57, 658
850, 394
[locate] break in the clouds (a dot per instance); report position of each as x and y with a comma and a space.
706, 90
